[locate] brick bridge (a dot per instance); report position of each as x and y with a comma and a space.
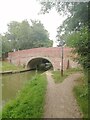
31, 57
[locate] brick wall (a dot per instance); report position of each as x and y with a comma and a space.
53, 54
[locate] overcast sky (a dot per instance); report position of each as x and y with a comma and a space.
18, 10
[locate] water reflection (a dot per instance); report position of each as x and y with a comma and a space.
12, 83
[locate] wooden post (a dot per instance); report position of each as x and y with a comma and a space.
62, 62
68, 64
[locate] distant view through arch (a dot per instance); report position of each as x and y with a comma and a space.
40, 64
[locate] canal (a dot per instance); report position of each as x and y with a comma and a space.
12, 84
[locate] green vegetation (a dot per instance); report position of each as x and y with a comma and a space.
22, 35
75, 28
57, 74
6, 66
81, 94
0, 115
75, 31
29, 102
80, 90
79, 40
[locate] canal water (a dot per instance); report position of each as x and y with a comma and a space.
12, 83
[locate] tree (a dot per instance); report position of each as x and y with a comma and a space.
79, 41
76, 20
75, 29
40, 36
75, 32
22, 35
6, 47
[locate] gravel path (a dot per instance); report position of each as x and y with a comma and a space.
60, 101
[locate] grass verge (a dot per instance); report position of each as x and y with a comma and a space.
29, 102
0, 115
6, 66
57, 74
81, 94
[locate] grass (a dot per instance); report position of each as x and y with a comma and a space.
81, 94
6, 66
0, 115
57, 74
80, 90
29, 103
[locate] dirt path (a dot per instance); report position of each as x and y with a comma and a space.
60, 101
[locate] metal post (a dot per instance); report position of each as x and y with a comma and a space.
62, 61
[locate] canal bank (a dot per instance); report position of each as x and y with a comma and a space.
14, 81
30, 100
15, 71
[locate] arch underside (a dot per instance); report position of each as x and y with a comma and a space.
40, 64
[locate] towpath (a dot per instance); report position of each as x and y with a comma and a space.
60, 101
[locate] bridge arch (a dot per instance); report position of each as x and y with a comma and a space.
40, 63
52, 54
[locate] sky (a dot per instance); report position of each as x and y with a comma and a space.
18, 10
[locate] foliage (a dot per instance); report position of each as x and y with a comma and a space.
40, 36
73, 10
29, 102
76, 20
5, 45
0, 115
81, 94
79, 40
61, 7
74, 30
57, 74
6, 66
22, 35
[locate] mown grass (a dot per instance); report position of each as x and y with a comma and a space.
29, 103
81, 94
6, 66
57, 74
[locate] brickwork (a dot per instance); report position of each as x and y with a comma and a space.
53, 54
